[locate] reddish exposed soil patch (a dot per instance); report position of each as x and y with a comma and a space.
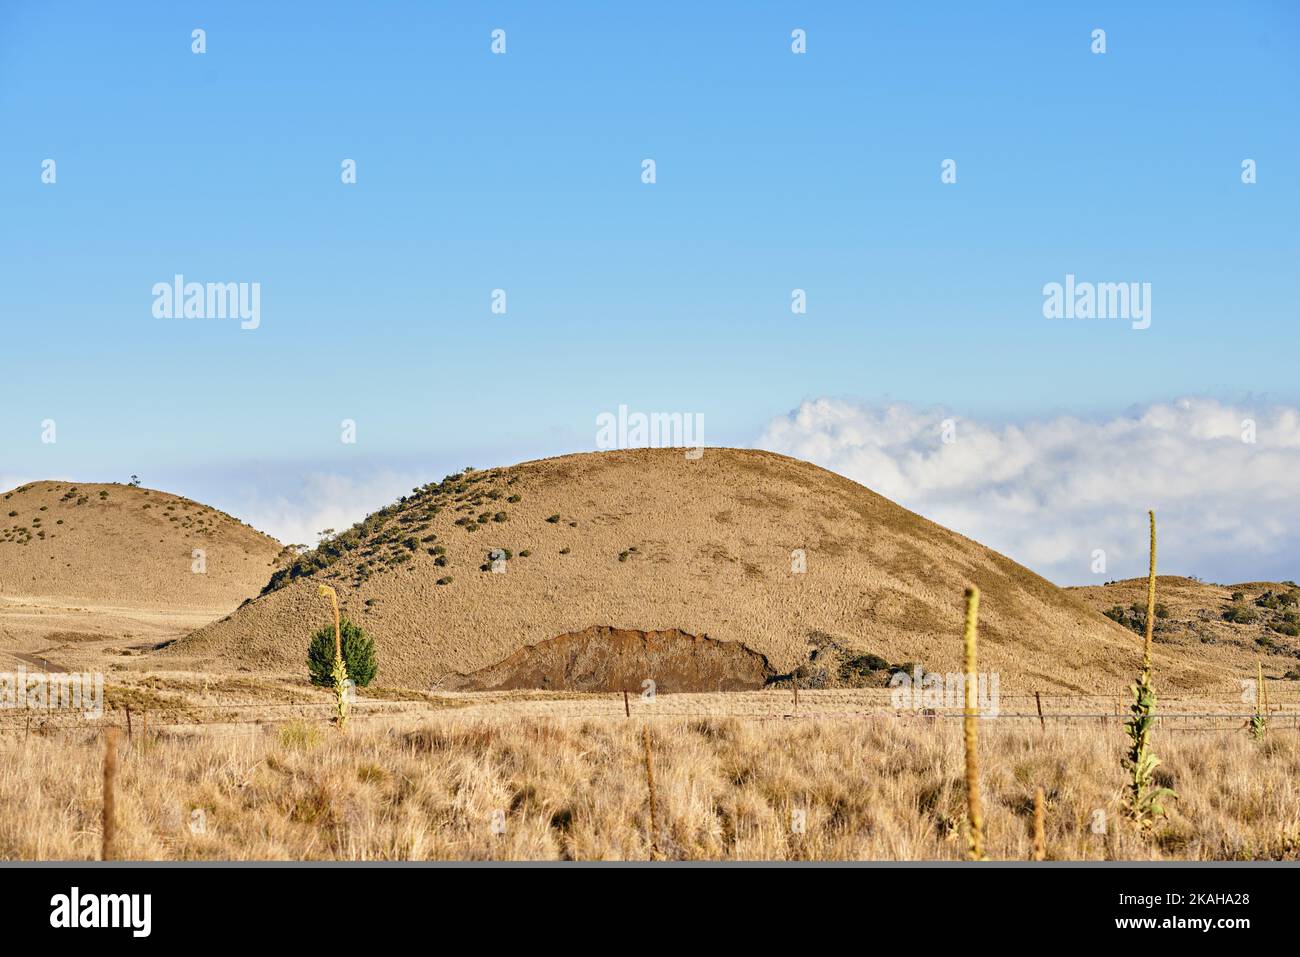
602, 658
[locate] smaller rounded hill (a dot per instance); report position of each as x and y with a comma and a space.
125, 546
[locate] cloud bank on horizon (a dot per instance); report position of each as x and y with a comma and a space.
322, 500
1224, 481
1048, 492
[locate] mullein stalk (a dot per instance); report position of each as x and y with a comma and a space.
108, 835
1145, 800
650, 787
1259, 722
974, 808
340, 671
1040, 839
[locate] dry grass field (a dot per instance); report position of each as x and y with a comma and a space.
497, 727
463, 787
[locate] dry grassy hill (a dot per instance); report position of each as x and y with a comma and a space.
649, 540
122, 546
1216, 626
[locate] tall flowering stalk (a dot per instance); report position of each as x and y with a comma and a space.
340, 672
1145, 800
1040, 838
1259, 722
650, 788
108, 849
974, 808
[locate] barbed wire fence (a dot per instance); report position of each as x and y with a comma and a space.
1220, 713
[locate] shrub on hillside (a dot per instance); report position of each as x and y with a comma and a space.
358, 655
1268, 600
1241, 615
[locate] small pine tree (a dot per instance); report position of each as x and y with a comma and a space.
358, 655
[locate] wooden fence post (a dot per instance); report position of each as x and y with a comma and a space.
1038, 700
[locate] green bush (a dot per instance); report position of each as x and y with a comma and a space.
358, 655
1241, 615
862, 666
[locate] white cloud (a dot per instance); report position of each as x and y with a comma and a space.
10, 481
322, 500
1048, 492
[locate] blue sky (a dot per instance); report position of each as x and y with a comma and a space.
475, 171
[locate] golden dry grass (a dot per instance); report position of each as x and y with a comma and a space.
727, 789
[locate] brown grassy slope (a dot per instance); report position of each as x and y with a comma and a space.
1196, 630
115, 545
713, 541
